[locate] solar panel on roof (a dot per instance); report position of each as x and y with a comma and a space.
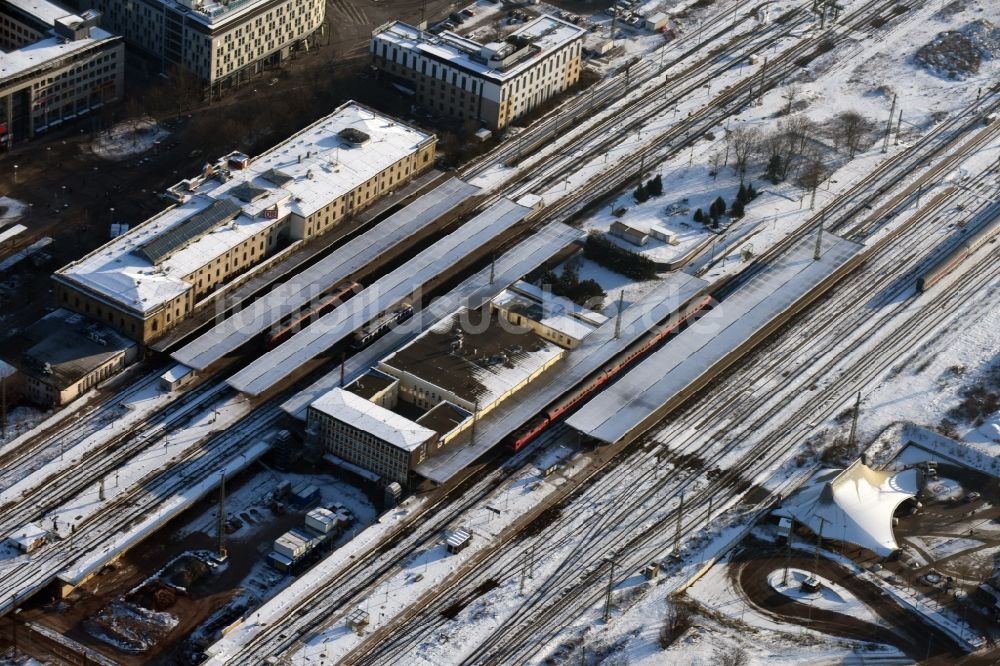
218, 213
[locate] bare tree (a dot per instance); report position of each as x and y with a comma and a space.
791, 93
715, 161
731, 656
799, 132
851, 127
783, 148
677, 621
743, 141
774, 151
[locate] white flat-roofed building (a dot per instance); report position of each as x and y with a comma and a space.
219, 42
54, 66
233, 215
367, 435
492, 83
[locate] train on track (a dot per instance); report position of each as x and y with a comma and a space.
626, 358
953, 259
375, 329
313, 312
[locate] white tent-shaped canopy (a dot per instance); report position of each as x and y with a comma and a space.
853, 505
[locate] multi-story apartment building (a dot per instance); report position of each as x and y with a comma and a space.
235, 214
54, 66
221, 42
492, 83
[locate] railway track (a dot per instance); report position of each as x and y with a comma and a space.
600, 529
307, 604
683, 134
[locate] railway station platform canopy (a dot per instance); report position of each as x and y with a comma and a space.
652, 310
383, 294
472, 293
853, 505
680, 367
289, 297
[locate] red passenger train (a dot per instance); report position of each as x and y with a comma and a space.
309, 314
631, 354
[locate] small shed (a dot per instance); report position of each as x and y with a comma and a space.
458, 540
663, 234
176, 377
321, 521
627, 232
357, 619
657, 22
29, 538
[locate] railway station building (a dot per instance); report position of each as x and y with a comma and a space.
54, 66
448, 378
493, 83
240, 213
221, 42
63, 355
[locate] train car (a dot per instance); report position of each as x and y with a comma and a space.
954, 259
557, 410
374, 330
307, 315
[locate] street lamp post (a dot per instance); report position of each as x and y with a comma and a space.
15, 173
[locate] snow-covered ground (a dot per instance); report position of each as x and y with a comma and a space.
863, 79
830, 596
127, 138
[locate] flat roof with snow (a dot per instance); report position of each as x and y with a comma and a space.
536, 39
51, 47
472, 293
365, 415
316, 166
492, 360
301, 289
384, 293
552, 311
625, 406
669, 296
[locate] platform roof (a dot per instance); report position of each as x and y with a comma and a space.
526, 256
383, 294
655, 307
623, 407
288, 297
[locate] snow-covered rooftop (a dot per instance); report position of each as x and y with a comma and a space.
364, 415
472, 292
43, 10
320, 166
632, 401
479, 363
555, 312
300, 289
496, 60
214, 13
37, 54
381, 295
853, 505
